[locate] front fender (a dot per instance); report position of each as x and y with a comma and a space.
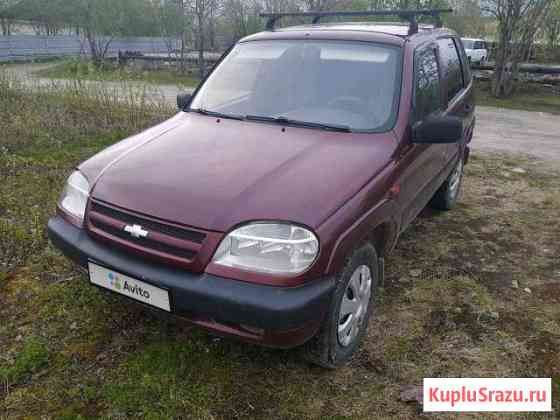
378, 225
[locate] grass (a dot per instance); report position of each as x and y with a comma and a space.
528, 97
79, 69
32, 357
69, 350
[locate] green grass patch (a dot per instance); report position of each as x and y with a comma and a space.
528, 97
30, 359
170, 378
85, 70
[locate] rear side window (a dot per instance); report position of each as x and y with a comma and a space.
451, 67
427, 83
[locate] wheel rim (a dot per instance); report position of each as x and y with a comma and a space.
455, 179
354, 305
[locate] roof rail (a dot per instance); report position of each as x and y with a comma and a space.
408, 15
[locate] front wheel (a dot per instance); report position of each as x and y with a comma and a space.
351, 306
446, 197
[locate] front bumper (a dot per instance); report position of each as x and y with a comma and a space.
276, 316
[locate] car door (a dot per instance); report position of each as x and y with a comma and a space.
458, 92
424, 162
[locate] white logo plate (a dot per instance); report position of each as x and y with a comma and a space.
127, 286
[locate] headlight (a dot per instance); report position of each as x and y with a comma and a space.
268, 248
75, 195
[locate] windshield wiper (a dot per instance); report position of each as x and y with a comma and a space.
297, 123
216, 114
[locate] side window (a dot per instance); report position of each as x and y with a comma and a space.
451, 67
466, 65
479, 45
427, 97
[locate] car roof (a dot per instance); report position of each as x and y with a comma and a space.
472, 39
390, 33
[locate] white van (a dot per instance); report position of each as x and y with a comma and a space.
476, 50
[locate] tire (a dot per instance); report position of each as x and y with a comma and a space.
446, 197
329, 348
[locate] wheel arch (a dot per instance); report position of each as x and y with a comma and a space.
377, 227
383, 238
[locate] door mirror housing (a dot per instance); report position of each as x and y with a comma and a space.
183, 100
438, 130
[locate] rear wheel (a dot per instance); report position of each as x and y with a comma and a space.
446, 197
351, 306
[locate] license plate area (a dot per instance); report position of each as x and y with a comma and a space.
128, 286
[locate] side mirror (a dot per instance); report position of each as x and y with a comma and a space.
442, 129
183, 100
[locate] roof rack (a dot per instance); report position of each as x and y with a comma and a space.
408, 15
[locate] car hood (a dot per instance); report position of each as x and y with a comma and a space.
213, 174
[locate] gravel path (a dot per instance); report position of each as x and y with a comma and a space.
533, 133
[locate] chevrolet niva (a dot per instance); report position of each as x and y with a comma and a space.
265, 208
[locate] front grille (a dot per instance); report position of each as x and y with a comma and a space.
163, 240
145, 242
129, 219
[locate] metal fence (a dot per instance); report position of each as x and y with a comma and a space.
31, 47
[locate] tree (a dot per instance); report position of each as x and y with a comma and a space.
100, 21
8, 12
47, 17
467, 18
518, 21
203, 11
172, 25
552, 26
242, 17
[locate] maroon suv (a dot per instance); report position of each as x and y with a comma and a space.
265, 208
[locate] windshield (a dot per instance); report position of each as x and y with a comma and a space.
468, 44
349, 84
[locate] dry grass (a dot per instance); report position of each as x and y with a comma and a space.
448, 309
81, 69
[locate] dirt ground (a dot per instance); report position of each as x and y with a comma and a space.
534, 133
